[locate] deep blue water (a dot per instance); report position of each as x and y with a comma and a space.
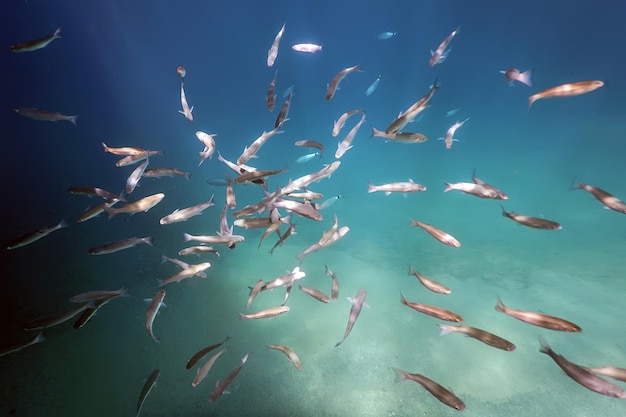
115, 68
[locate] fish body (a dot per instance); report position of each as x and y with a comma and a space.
311, 144
202, 372
99, 295
440, 54
133, 159
138, 206
214, 239
186, 111
58, 318
253, 293
432, 311
309, 48
181, 215
95, 191
306, 180
119, 245
250, 151
185, 273
412, 112
445, 396
538, 319
284, 112
610, 371
306, 158
198, 355
197, 250
357, 305
285, 280
605, 198
317, 294
147, 387
386, 35
334, 289
270, 98
401, 137
429, 283
31, 237
566, 90
219, 389
396, 187
45, 116
295, 360
326, 240
449, 139
500, 194
334, 84
513, 74
209, 145
438, 234
346, 143
472, 189
95, 211
135, 176
581, 375
36, 44
181, 265
373, 86
165, 172
479, 334
153, 309
339, 123
267, 313
16, 347
272, 53
534, 222
124, 151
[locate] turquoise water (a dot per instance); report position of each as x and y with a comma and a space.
115, 67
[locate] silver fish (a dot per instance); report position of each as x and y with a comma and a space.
357, 305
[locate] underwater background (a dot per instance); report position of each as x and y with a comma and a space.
115, 67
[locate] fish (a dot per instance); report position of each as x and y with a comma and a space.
45, 116
284, 112
346, 144
452, 112
373, 86
317, 294
295, 360
566, 90
202, 372
438, 312
339, 123
165, 172
119, 245
124, 151
533, 222
138, 206
357, 305
324, 242
95, 191
133, 159
135, 176
254, 291
412, 112
284, 280
272, 53
217, 182
186, 111
581, 375
273, 227
29, 46
231, 201
429, 283
478, 334
32, 237
334, 84
396, 187
255, 175
304, 181
147, 387
95, 211
250, 151
197, 250
609, 200
288, 90
445, 396
386, 35
209, 145
538, 319
185, 273
270, 98
438, 234
182, 215
472, 188
16, 347
91, 310
501, 195
440, 54
306, 158
334, 289
311, 144
56, 319
327, 203
401, 137
449, 138
198, 355
307, 195
219, 388
180, 264
98, 295
215, 239
267, 313
513, 74
610, 371
153, 309
281, 240
309, 48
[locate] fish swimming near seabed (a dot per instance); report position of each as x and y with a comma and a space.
357, 305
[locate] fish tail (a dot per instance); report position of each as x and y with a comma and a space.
160, 282
111, 212
187, 237
545, 347
445, 329
370, 187
242, 316
339, 343
400, 375
524, 77
531, 100
500, 307
504, 212
447, 188
40, 338
402, 299
187, 176
576, 184
148, 240
73, 119
57, 33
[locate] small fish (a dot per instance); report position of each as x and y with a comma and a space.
334, 289
180, 264
216, 182
182, 215
440, 54
202, 372
429, 283
581, 375
188, 272
445, 396
328, 202
538, 319
318, 295
334, 84
272, 53
165, 172
309, 48
197, 250
433, 311
472, 189
566, 90
45, 116
135, 176
153, 309
306, 158
124, 151
198, 355
119, 245
357, 305
220, 387
253, 293
339, 123
533, 222
98, 295
209, 145
438, 234
95, 211
610, 371
281, 240
605, 198
284, 112
513, 74
270, 98
386, 35
501, 195
95, 191
56, 319
400, 137
478, 334
31, 237
295, 361
214, 239
267, 313
306, 180
311, 144
289, 90
396, 187
133, 159
147, 387
186, 111
346, 143
449, 138
16, 347
36, 44
412, 112
373, 86
138, 206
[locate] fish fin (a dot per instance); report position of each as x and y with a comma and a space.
545, 347
388, 193
181, 112
445, 329
447, 188
57, 33
73, 119
400, 375
500, 307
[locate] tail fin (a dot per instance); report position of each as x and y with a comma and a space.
500, 307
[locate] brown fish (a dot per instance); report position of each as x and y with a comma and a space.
334, 289
478, 334
438, 234
318, 295
202, 372
33, 45
45, 116
269, 312
290, 354
566, 90
271, 97
501, 195
534, 222
357, 305
434, 286
198, 355
147, 387
219, 389
610, 371
605, 198
334, 84
439, 392
438, 312
311, 144
538, 319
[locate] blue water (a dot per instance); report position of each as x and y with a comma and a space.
115, 67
